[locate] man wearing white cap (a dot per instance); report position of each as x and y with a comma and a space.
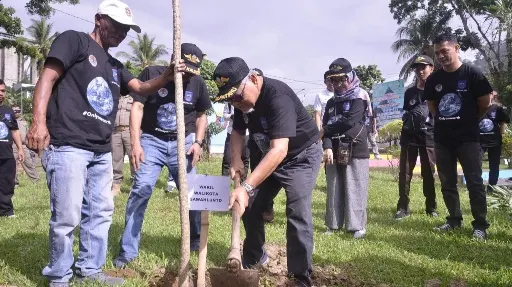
74, 112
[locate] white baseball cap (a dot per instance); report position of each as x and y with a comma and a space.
118, 11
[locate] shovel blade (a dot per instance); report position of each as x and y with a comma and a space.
222, 277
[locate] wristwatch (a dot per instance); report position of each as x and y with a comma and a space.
200, 143
249, 188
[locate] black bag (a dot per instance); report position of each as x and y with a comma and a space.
414, 120
344, 151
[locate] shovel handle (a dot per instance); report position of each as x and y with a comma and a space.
234, 257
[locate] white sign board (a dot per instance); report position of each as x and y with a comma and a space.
209, 192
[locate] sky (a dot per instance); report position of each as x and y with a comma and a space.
292, 39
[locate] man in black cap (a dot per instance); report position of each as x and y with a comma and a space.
417, 137
458, 97
155, 115
286, 135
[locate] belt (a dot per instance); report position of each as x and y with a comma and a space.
167, 137
121, 128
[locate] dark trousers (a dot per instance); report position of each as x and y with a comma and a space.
470, 157
408, 157
494, 155
297, 176
7, 175
226, 159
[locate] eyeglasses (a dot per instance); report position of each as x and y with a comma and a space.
339, 80
236, 98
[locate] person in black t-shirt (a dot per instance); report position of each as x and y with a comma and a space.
492, 126
75, 102
286, 135
344, 131
417, 136
155, 115
8, 133
458, 97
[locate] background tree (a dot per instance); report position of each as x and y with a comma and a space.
416, 38
369, 76
41, 33
144, 52
43, 7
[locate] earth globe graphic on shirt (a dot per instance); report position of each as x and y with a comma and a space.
486, 125
100, 96
450, 105
4, 131
166, 116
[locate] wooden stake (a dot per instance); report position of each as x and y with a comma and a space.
183, 273
203, 249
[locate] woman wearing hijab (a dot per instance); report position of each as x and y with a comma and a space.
346, 151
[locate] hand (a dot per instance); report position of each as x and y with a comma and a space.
328, 156
241, 196
237, 165
169, 73
21, 156
38, 137
374, 131
137, 155
197, 151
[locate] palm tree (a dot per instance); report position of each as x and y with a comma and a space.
41, 33
415, 38
144, 52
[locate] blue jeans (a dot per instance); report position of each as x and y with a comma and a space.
157, 153
80, 184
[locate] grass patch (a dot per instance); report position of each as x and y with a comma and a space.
404, 253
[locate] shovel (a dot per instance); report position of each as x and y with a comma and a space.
233, 275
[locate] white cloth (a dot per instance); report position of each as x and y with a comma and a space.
321, 100
228, 112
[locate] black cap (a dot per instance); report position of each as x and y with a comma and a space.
340, 67
260, 73
422, 59
228, 75
193, 56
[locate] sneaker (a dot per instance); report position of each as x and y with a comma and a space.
59, 284
329, 231
401, 214
446, 227
480, 235
171, 187
103, 279
263, 260
360, 234
433, 214
121, 262
116, 189
268, 216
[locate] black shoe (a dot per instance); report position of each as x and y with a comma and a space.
480, 235
446, 227
401, 214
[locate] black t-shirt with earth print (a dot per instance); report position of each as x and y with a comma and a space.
490, 126
83, 106
159, 117
456, 95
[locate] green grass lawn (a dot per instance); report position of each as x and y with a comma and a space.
406, 253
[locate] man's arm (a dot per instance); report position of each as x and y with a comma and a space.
153, 85
318, 120
137, 154
136, 114
236, 142
503, 127
195, 149
484, 102
374, 120
38, 137
16, 136
275, 156
432, 107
